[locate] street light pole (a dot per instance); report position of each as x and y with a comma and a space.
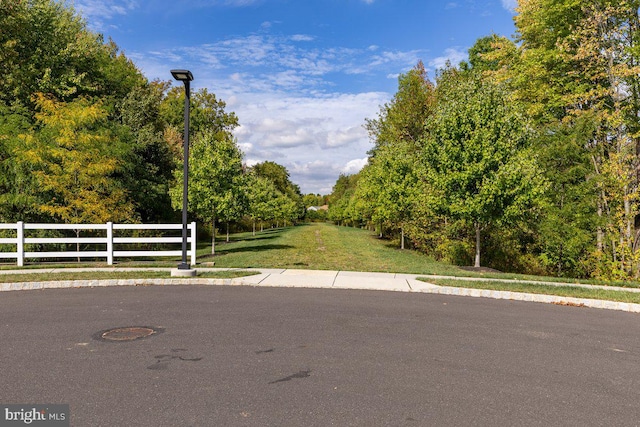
185, 77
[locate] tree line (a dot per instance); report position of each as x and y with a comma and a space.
523, 158
86, 138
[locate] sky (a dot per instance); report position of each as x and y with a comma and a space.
301, 75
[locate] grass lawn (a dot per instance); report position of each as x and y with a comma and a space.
321, 246
46, 277
559, 290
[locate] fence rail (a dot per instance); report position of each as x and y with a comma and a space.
108, 241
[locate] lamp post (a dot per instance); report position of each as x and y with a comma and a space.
185, 77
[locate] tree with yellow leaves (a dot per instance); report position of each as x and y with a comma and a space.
75, 162
580, 62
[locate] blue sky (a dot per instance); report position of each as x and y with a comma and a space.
302, 75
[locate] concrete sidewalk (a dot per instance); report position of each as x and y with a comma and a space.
316, 279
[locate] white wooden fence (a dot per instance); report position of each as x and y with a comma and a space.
108, 241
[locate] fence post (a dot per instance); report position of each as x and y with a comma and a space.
20, 242
109, 243
193, 243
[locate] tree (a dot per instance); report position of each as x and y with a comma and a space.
580, 60
401, 121
312, 200
18, 189
150, 167
476, 155
236, 202
207, 112
260, 193
279, 176
75, 161
388, 185
493, 55
215, 165
341, 198
569, 221
46, 48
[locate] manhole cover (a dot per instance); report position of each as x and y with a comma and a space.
128, 333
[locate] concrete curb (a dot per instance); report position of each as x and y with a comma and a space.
331, 280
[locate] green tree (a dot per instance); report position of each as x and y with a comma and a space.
493, 55
281, 180
261, 193
151, 163
341, 198
389, 184
389, 188
277, 174
18, 189
476, 155
45, 47
215, 165
402, 119
569, 222
236, 202
312, 200
207, 112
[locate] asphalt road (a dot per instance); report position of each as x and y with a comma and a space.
243, 356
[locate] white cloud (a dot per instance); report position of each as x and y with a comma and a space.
451, 55
97, 11
298, 131
321, 175
279, 62
510, 5
406, 57
355, 166
343, 137
284, 90
301, 38
245, 147
263, 62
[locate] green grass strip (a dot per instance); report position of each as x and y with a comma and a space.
557, 290
99, 275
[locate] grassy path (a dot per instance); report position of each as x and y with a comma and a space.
320, 246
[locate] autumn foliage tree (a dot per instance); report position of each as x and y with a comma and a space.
75, 163
579, 63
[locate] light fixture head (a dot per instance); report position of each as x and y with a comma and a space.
182, 75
